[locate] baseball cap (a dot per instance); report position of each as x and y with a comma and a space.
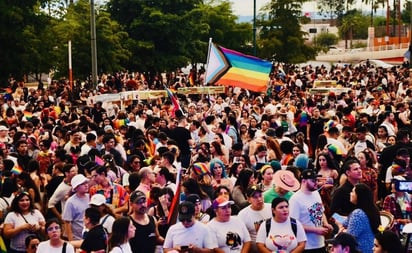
136, 195
251, 190
271, 132
309, 174
78, 180
402, 152
97, 200
194, 198
222, 201
344, 239
3, 128
186, 210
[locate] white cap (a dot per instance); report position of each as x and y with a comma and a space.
149, 112
3, 128
97, 200
78, 180
108, 128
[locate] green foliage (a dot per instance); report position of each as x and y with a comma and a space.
20, 44
326, 39
355, 25
379, 21
281, 38
406, 13
75, 26
169, 34
334, 8
359, 44
148, 36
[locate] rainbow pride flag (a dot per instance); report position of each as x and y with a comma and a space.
231, 68
120, 122
16, 170
28, 115
176, 105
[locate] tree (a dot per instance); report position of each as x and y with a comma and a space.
75, 26
334, 8
169, 34
325, 40
406, 13
21, 25
354, 25
160, 31
281, 38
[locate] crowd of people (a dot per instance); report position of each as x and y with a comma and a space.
287, 170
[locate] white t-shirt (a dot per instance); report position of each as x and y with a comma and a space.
45, 247
230, 235
253, 219
5, 202
308, 209
281, 236
16, 220
59, 195
338, 144
124, 248
198, 235
107, 222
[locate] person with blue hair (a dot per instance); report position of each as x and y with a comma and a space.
218, 170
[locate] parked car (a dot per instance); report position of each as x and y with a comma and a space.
375, 63
335, 50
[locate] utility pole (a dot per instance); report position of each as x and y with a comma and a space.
69, 47
410, 41
93, 43
254, 27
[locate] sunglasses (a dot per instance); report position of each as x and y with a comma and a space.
186, 220
34, 246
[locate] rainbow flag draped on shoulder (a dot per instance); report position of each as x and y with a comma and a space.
231, 68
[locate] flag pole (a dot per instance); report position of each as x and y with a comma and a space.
207, 65
207, 60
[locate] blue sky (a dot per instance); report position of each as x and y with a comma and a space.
245, 7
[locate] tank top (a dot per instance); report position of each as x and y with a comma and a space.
144, 240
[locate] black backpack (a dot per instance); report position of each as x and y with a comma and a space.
292, 224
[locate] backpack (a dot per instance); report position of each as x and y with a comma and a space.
64, 247
292, 224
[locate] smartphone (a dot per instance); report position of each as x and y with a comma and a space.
339, 218
184, 247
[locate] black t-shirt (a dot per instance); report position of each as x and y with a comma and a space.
96, 239
316, 126
181, 135
144, 240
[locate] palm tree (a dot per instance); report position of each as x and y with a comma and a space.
349, 21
